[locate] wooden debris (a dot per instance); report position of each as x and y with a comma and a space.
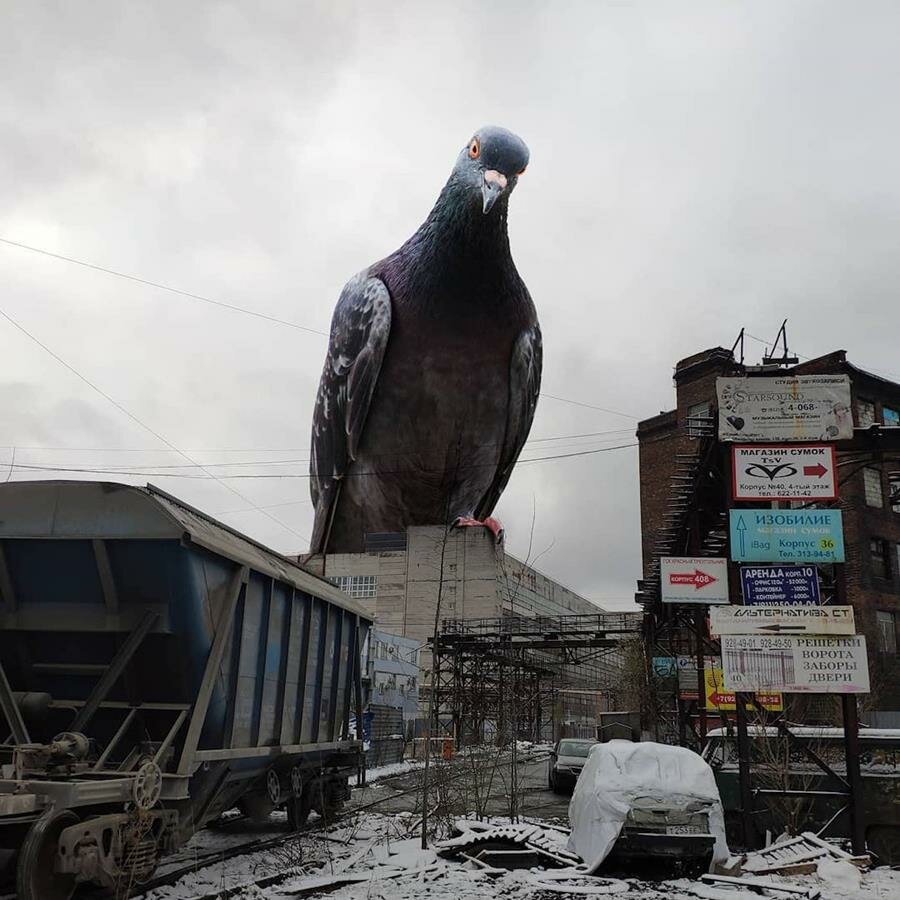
760, 884
797, 856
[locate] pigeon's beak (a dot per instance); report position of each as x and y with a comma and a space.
492, 187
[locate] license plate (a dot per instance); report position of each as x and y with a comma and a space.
684, 829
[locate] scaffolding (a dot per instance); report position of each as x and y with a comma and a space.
517, 676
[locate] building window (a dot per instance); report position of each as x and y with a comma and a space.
872, 480
890, 417
359, 587
881, 560
700, 420
894, 490
887, 632
865, 413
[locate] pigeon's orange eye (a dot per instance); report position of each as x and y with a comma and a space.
520, 174
474, 149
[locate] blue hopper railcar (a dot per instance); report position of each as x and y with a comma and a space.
157, 668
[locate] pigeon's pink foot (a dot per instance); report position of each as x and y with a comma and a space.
492, 524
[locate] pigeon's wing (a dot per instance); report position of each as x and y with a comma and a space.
524, 387
359, 334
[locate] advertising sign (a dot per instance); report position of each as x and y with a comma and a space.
800, 472
687, 674
787, 535
693, 579
785, 408
782, 620
723, 701
818, 665
664, 666
780, 585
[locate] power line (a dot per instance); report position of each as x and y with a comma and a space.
882, 372
47, 448
234, 307
304, 475
433, 449
134, 418
164, 287
613, 412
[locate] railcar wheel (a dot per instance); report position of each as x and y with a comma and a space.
36, 878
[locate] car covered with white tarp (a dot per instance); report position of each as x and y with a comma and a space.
647, 800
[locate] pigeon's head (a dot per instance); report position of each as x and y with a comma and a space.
491, 164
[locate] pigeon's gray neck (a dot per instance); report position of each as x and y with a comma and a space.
458, 243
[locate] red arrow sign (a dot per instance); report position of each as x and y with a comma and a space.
818, 469
697, 578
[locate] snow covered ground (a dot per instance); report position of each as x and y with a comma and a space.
377, 857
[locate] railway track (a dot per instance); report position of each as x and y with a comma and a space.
203, 859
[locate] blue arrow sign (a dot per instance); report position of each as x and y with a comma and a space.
787, 535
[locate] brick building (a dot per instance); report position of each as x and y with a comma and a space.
869, 475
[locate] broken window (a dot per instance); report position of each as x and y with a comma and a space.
865, 413
894, 490
700, 419
881, 561
890, 416
872, 480
887, 631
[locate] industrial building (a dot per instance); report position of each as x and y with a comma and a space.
483, 590
684, 500
401, 577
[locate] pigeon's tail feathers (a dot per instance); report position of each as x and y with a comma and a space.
325, 510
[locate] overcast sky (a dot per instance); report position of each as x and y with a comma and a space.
694, 168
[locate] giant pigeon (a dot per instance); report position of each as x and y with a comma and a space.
433, 367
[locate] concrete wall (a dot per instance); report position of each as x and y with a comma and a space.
480, 581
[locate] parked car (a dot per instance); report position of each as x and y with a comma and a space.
641, 802
775, 765
567, 759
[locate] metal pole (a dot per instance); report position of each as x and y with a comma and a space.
851, 751
699, 628
746, 794
850, 717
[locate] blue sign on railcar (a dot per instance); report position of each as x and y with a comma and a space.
780, 585
787, 535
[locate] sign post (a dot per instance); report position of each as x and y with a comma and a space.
787, 535
798, 665
694, 579
785, 408
778, 620
784, 472
780, 585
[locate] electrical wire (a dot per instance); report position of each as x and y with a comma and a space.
138, 421
432, 448
233, 307
305, 475
164, 287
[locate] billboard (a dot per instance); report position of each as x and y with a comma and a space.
785, 472
782, 620
787, 535
693, 579
819, 665
785, 408
780, 585
717, 698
